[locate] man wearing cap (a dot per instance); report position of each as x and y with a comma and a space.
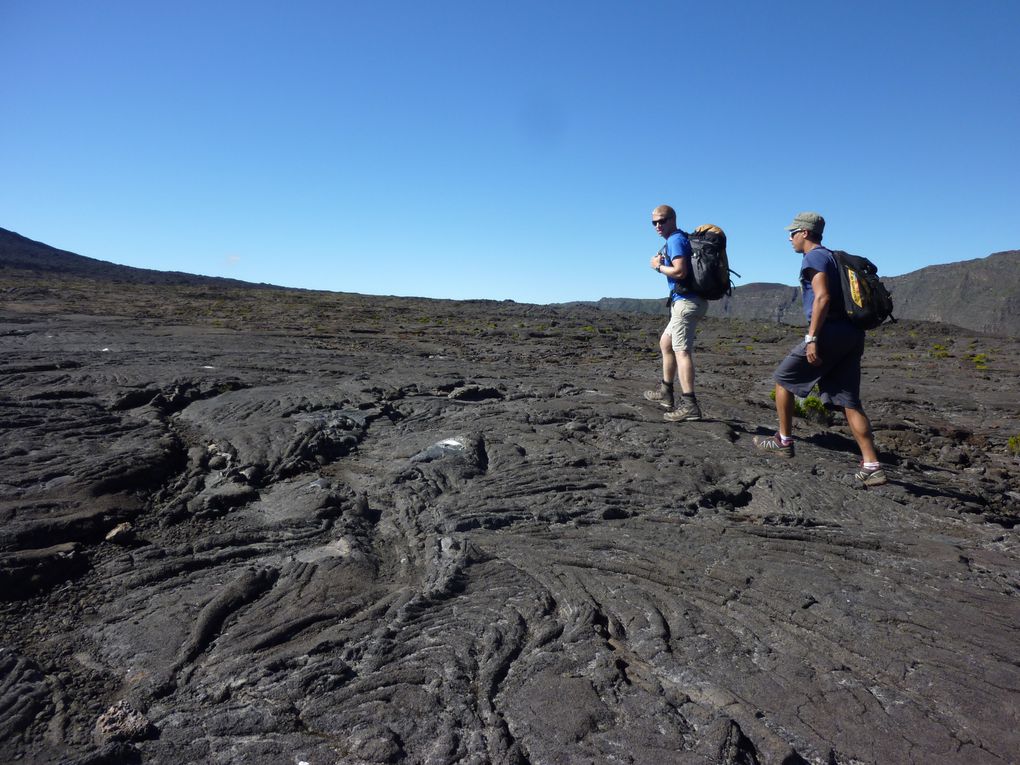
686, 309
829, 356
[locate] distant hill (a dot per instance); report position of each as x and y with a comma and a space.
759, 301
981, 294
20, 253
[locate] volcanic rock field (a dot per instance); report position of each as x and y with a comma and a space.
273, 526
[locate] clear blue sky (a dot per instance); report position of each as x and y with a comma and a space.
505, 149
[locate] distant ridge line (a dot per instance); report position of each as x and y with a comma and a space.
982, 294
21, 253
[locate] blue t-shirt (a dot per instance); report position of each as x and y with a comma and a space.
677, 246
820, 259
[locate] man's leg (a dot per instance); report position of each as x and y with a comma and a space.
669, 365
685, 327
860, 426
684, 364
687, 405
785, 406
794, 376
686, 314
782, 442
663, 393
842, 386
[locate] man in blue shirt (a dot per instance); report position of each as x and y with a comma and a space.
686, 309
829, 356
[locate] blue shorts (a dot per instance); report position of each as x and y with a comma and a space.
838, 377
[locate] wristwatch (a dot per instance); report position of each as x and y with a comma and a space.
810, 338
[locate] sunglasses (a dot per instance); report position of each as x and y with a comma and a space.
795, 232
660, 221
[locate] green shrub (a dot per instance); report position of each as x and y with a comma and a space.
810, 408
814, 410
1013, 445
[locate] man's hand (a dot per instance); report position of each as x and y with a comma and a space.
811, 353
657, 260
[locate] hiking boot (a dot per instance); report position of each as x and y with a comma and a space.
663, 395
774, 445
875, 477
687, 409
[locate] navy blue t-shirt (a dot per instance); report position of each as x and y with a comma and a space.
820, 259
677, 246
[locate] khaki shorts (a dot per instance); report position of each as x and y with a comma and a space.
684, 315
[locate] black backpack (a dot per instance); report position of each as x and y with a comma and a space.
866, 301
710, 270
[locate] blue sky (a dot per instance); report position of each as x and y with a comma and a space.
505, 150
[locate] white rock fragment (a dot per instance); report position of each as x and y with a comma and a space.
122, 722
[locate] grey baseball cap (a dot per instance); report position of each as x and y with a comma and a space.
808, 221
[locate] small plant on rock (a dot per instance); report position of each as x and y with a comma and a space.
1013, 445
810, 408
